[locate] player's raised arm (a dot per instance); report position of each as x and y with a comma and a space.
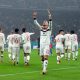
50, 19
35, 19
31, 33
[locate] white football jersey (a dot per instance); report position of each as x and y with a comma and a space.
74, 39
45, 36
16, 40
10, 40
67, 38
26, 37
2, 39
59, 40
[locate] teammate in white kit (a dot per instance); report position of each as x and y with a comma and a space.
26, 45
10, 44
16, 46
45, 33
2, 42
74, 43
59, 39
67, 43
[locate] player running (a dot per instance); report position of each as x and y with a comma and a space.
59, 39
45, 33
67, 38
2, 42
16, 46
26, 45
74, 43
10, 45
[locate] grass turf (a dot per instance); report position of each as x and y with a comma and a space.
67, 70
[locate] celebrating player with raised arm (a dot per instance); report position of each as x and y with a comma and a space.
45, 33
26, 45
59, 39
16, 46
2, 42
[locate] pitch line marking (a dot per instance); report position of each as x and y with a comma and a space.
37, 71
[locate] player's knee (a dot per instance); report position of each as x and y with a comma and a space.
46, 58
26, 54
58, 54
1, 52
42, 59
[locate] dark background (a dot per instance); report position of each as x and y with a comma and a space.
18, 13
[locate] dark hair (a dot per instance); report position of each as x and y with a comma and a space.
72, 32
61, 31
16, 30
23, 29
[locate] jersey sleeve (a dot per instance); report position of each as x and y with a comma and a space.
50, 24
36, 23
31, 33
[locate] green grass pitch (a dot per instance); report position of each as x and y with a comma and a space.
67, 70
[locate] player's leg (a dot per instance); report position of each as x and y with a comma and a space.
42, 59
76, 52
2, 50
69, 52
58, 55
66, 54
17, 54
25, 58
46, 54
42, 54
9, 52
73, 52
61, 51
24, 50
14, 55
27, 51
45, 63
66, 51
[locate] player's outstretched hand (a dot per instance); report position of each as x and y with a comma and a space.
34, 14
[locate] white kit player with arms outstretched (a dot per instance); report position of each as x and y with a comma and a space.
26, 45
2, 42
67, 43
74, 44
59, 39
16, 46
45, 33
10, 44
